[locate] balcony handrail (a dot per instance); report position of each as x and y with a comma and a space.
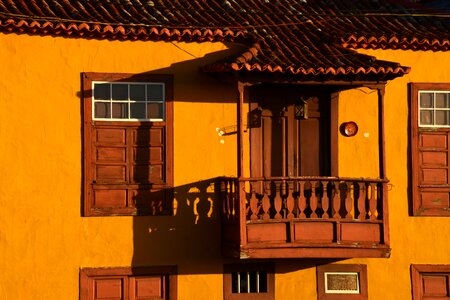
302, 178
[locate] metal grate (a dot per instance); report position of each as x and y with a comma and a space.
249, 282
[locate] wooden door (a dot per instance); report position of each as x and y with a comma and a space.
285, 144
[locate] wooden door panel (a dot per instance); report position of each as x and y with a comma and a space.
110, 173
107, 288
147, 136
435, 198
109, 154
147, 288
309, 147
109, 198
111, 136
435, 286
285, 145
433, 140
434, 158
433, 176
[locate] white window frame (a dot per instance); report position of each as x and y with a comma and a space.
128, 101
433, 109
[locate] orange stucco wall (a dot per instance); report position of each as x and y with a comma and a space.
44, 241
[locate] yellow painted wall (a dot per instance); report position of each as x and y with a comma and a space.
43, 238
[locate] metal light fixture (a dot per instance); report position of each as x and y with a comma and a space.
301, 109
349, 128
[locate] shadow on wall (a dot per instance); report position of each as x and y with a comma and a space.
186, 231
191, 238
188, 238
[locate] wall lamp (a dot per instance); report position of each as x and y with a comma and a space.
348, 128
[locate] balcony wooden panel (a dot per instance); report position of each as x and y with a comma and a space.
323, 217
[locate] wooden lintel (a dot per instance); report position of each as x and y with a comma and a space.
314, 252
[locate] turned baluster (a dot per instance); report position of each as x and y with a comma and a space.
372, 201
266, 202
348, 200
362, 201
253, 205
278, 201
231, 198
335, 200
302, 201
313, 200
223, 197
290, 200
325, 200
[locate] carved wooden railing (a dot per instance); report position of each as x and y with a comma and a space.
304, 217
303, 198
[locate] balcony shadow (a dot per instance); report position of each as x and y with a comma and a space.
189, 238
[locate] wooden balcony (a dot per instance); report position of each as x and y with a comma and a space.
314, 217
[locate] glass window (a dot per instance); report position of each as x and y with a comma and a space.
434, 108
128, 101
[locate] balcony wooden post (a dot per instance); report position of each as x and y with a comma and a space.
382, 159
240, 163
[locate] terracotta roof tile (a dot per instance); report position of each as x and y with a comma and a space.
303, 38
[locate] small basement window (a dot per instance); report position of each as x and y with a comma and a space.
336, 282
249, 281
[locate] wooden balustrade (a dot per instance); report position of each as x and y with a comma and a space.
304, 217
305, 198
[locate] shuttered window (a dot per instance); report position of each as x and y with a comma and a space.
127, 144
430, 157
430, 282
157, 283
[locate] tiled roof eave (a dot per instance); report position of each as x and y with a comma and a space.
116, 31
224, 67
395, 43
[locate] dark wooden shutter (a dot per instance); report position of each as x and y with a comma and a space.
126, 287
433, 176
430, 161
127, 165
430, 282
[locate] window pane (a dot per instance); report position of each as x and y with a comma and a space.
262, 281
234, 282
102, 110
426, 117
155, 92
426, 100
154, 111
442, 117
137, 92
243, 282
120, 91
102, 91
253, 282
120, 110
442, 100
137, 110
